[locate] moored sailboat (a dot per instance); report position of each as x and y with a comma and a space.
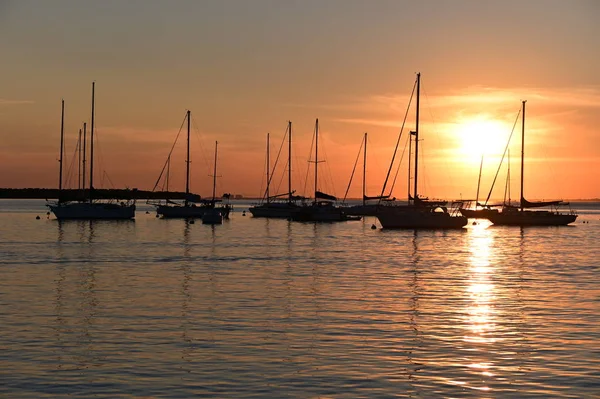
521, 215
88, 209
215, 214
192, 206
281, 205
368, 207
420, 212
323, 208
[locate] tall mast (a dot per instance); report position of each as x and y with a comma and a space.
187, 161
215, 174
364, 185
62, 133
268, 167
290, 162
417, 135
522, 154
478, 182
92, 144
508, 177
410, 135
84, 152
316, 155
79, 161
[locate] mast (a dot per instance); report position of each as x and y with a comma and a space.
478, 182
410, 134
215, 174
364, 171
417, 136
187, 161
62, 134
316, 155
79, 161
268, 167
289, 162
84, 152
508, 177
92, 144
522, 154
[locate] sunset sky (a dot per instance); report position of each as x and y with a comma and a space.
244, 68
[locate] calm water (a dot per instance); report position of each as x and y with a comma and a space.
268, 308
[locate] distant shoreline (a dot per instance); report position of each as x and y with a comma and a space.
52, 193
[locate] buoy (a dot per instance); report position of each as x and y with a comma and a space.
37, 217
147, 212
373, 227
474, 223
192, 221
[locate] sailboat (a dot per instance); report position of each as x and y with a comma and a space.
89, 208
215, 214
520, 215
481, 211
364, 209
193, 206
420, 212
322, 209
281, 205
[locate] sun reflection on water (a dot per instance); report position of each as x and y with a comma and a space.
480, 311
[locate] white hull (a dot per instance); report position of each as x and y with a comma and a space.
408, 217
94, 210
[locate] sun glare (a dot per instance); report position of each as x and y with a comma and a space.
481, 136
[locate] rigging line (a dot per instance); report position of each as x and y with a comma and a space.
399, 164
329, 175
312, 143
169, 156
353, 170
502, 159
207, 162
275, 164
398, 141
70, 172
438, 142
282, 177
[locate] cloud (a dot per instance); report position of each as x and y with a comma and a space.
4, 101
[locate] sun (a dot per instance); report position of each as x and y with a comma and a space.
481, 136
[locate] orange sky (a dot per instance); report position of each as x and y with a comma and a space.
246, 68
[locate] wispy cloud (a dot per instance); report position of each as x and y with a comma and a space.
4, 101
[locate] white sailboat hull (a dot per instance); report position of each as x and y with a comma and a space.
94, 210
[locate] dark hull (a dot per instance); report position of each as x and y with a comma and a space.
479, 213
532, 218
319, 213
363, 210
92, 211
274, 210
401, 217
184, 212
